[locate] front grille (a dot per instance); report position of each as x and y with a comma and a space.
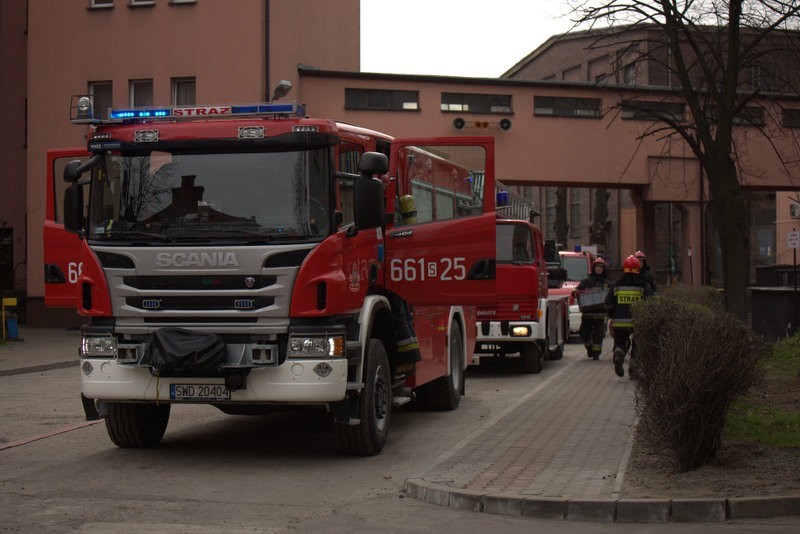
199, 283
197, 320
210, 303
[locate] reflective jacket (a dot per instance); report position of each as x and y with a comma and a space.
628, 289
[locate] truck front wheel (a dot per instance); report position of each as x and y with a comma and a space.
133, 425
532, 356
368, 436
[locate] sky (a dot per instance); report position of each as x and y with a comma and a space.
475, 38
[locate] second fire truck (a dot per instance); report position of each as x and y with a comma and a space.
524, 321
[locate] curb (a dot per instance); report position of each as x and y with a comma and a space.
623, 510
38, 368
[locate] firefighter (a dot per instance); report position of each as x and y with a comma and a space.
593, 324
630, 288
644, 270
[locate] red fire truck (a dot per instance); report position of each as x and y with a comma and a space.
523, 320
576, 265
249, 257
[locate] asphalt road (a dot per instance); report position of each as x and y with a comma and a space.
276, 473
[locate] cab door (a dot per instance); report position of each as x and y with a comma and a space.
440, 245
62, 264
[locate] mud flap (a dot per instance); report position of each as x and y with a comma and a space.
89, 408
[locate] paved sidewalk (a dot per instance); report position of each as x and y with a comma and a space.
559, 452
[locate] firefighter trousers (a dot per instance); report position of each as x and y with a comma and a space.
592, 332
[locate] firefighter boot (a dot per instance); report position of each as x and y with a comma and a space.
407, 356
619, 359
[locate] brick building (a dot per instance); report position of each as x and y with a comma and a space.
548, 133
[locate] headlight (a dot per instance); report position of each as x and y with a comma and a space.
99, 346
520, 331
316, 347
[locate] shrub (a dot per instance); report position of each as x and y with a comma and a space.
692, 360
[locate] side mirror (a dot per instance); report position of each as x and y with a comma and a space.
71, 172
74, 169
73, 208
550, 252
369, 200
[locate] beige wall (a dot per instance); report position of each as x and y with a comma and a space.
12, 137
222, 44
547, 150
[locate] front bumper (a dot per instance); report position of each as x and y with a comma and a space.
574, 319
295, 381
501, 331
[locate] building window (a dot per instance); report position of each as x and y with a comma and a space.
566, 107
476, 103
381, 99
102, 95
764, 77
141, 93
100, 4
791, 118
182, 1
141, 3
749, 116
183, 91
629, 74
644, 110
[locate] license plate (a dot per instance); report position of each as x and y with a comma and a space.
199, 392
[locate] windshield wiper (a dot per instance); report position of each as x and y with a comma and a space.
129, 233
269, 234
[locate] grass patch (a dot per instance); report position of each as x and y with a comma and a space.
769, 414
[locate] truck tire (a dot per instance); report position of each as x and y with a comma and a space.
532, 358
445, 392
368, 436
134, 425
556, 354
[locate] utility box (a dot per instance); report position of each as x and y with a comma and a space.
9, 319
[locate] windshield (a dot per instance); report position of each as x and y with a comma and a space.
576, 267
236, 196
514, 244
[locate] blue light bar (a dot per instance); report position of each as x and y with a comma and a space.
140, 113
194, 112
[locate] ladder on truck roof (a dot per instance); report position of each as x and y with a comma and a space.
511, 205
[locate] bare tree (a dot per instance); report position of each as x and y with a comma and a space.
723, 59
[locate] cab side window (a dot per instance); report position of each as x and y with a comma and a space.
349, 156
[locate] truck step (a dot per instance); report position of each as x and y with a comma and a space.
399, 401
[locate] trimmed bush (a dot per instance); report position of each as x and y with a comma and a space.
692, 359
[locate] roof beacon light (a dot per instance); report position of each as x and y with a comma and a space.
81, 109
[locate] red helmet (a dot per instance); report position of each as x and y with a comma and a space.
600, 261
639, 254
631, 265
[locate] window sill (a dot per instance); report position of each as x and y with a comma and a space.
151, 3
